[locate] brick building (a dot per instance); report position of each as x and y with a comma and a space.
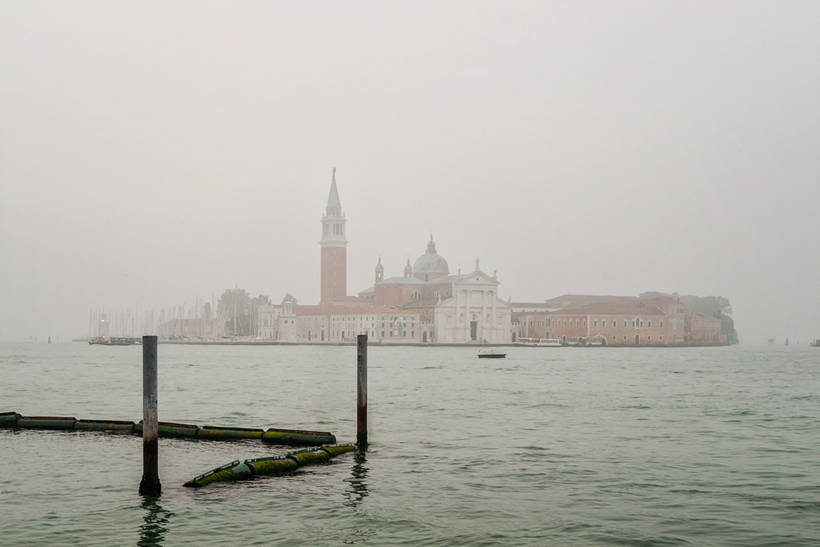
660, 320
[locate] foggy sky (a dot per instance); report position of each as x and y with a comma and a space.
154, 153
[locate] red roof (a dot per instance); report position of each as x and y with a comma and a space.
614, 308
337, 309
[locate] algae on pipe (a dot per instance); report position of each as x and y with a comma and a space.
274, 465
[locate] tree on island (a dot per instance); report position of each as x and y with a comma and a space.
714, 306
239, 311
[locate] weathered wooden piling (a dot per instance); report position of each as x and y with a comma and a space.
361, 399
150, 485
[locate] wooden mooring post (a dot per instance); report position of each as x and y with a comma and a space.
361, 399
150, 486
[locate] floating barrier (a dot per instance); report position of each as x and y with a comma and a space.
47, 422
111, 426
339, 449
9, 419
213, 433
310, 457
277, 465
298, 437
272, 465
233, 471
287, 437
171, 429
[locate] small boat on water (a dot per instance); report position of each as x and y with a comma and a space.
491, 354
539, 342
113, 341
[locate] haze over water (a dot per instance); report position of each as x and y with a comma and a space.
551, 445
152, 155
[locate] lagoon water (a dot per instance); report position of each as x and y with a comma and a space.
551, 445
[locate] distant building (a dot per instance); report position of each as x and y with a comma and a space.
425, 305
454, 309
661, 320
530, 319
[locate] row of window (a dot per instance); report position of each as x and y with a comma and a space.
637, 323
337, 229
649, 338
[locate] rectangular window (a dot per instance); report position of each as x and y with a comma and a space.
603, 323
661, 323
649, 323
595, 323
624, 323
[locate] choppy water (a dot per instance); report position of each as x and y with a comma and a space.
551, 445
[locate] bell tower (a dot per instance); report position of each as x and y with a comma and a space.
334, 248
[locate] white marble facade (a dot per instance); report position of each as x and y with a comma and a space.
474, 313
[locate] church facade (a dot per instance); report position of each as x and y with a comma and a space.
425, 305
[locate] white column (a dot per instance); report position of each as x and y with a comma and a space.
483, 321
467, 314
494, 296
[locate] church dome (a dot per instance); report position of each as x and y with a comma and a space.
430, 265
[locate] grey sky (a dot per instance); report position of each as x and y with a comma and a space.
153, 153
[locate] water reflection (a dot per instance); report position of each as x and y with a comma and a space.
357, 489
155, 521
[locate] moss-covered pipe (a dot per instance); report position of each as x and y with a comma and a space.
312, 457
114, 426
212, 433
233, 471
298, 437
9, 419
171, 429
338, 449
47, 422
276, 465
287, 437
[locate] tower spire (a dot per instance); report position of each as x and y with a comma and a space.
334, 205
